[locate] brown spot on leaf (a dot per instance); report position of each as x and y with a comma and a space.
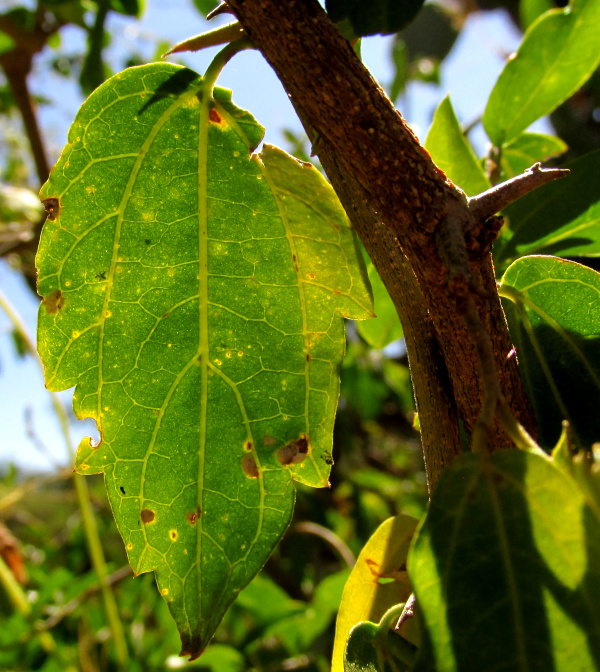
308, 356
53, 302
249, 466
214, 116
199, 512
268, 440
52, 206
191, 517
147, 516
248, 445
293, 452
173, 535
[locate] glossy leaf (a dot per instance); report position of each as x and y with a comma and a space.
194, 297
553, 309
560, 218
385, 328
527, 149
506, 568
558, 54
378, 581
452, 152
371, 18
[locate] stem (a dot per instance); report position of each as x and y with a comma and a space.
83, 496
19, 601
220, 61
16, 65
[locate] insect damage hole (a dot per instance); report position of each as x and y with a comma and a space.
293, 452
53, 302
52, 206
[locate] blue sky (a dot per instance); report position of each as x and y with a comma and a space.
468, 74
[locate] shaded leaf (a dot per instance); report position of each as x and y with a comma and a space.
452, 152
560, 218
194, 297
378, 17
527, 149
558, 54
385, 327
376, 648
378, 581
554, 320
508, 557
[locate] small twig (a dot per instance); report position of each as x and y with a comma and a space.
332, 539
408, 611
497, 198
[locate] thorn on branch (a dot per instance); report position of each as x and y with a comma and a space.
220, 9
492, 201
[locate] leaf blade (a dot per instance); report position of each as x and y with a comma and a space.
173, 301
558, 53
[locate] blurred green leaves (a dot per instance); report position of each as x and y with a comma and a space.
557, 55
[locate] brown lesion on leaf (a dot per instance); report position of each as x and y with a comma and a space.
53, 302
191, 517
268, 440
248, 445
52, 206
215, 117
249, 466
294, 452
147, 516
173, 535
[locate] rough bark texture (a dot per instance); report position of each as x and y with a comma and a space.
396, 198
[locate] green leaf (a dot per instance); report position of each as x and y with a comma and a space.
530, 10
378, 17
368, 649
194, 296
385, 328
559, 218
527, 149
378, 581
558, 54
506, 568
452, 153
554, 319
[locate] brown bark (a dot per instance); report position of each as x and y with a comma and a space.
396, 198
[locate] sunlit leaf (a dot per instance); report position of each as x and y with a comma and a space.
553, 309
506, 568
194, 297
558, 54
452, 153
560, 218
378, 581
